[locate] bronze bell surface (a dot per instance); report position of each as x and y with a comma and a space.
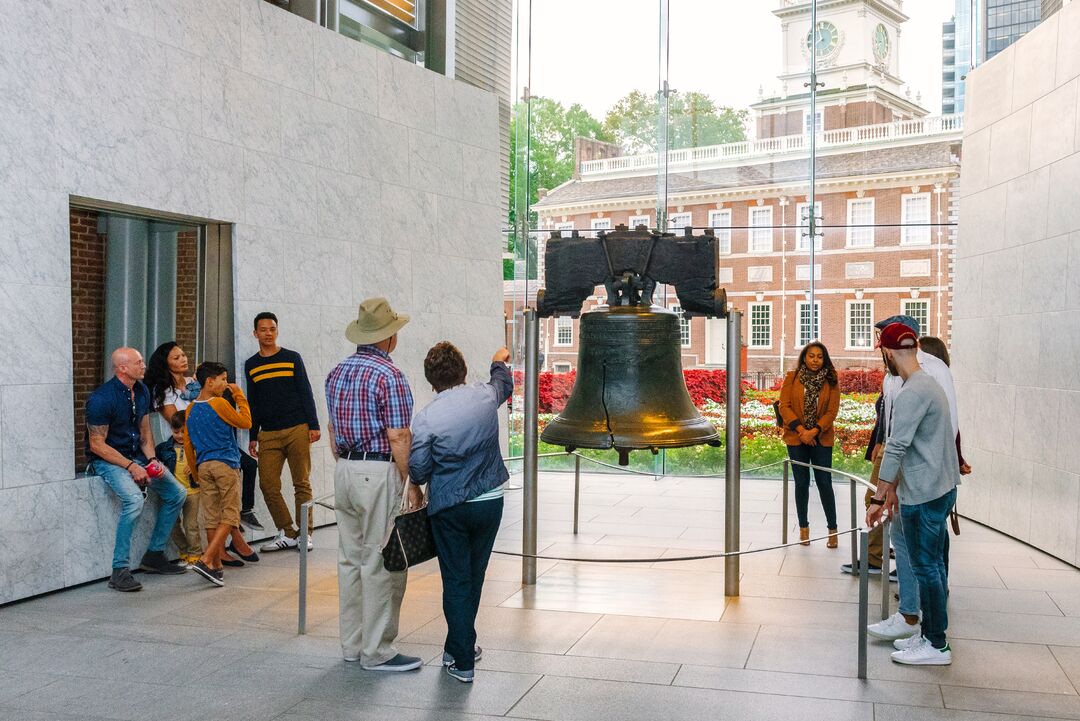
630, 393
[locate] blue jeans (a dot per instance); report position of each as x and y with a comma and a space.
925, 526
464, 535
168, 489
819, 456
905, 574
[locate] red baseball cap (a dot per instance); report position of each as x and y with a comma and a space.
897, 336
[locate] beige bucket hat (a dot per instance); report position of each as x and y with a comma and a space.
376, 321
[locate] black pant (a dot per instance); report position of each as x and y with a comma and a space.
819, 456
464, 535
249, 467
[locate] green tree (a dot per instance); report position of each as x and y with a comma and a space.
694, 119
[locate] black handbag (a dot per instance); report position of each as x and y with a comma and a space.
410, 542
779, 416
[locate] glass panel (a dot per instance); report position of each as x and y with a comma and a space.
860, 324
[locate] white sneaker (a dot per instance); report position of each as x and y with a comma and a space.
893, 627
902, 644
924, 654
280, 542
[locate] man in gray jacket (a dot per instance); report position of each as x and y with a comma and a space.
917, 481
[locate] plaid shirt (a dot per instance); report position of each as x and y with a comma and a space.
365, 395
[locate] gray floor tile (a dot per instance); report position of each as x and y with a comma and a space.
1015, 627
515, 629
668, 641
886, 712
1012, 702
14, 683
307, 711
1069, 660
1012, 601
791, 612
608, 669
1040, 579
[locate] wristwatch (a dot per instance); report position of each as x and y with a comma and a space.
877, 501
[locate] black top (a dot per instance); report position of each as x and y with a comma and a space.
122, 410
279, 392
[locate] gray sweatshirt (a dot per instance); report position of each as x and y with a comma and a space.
921, 450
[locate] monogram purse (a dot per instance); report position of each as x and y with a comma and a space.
410, 541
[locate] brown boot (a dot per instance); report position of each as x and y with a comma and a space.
833, 541
804, 536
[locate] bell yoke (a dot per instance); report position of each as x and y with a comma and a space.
630, 393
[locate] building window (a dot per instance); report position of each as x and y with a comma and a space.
915, 268
684, 325
678, 221
565, 229
860, 212
915, 219
726, 275
858, 270
761, 230
802, 216
806, 332
819, 122
860, 324
561, 367
718, 221
564, 330
636, 220
759, 274
920, 311
600, 224
760, 325
802, 272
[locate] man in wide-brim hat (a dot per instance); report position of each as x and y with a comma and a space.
370, 408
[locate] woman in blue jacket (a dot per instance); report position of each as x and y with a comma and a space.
456, 450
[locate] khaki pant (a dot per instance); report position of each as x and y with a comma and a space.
877, 534
367, 498
185, 534
219, 486
275, 448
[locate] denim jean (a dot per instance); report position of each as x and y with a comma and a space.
464, 535
168, 489
925, 526
818, 456
905, 575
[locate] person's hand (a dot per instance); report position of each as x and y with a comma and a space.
807, 437
253, 449
965, 469
313, 436
501, 356
414, 496
235, 389
139, 474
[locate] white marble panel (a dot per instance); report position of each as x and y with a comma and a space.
435, 164
28, 151
485, 296
384, 270
34, 236
406, 93
24, 344
1044, 276
465, 113
480, 177
349, 207
261, 256
408, 217
277, 46
1072, 278
319, 273
974, 175
90, 513
467, 230
31, 540
378, 148
1067, 64
1019, 345
346, 72
1059, 355
973, 495
1010, 491
441, 289
1070, 411
1055, 501
1025, 211
38, 446
1035, 60
983, 228
1001, 272
1054, 115
218, 192
314, 131
967, 290
1036, 435
208, 28
279, 193
989, 92
1063, 213
241, 109
1010, 146
333, 345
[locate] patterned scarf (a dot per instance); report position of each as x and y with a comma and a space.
812, 382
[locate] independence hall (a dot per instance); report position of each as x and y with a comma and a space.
886, 195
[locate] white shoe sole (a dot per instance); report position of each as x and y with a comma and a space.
404, 667
889, 637
943, 661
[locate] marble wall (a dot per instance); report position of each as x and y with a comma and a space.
1016, 326
347, 173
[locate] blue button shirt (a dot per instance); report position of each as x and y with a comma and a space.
113, 405
456, 441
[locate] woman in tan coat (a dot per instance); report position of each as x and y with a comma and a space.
809, 401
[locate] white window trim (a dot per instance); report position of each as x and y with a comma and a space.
873, 210
817, 271
754, 228
750, 325
636, 220
802, 240
751, 268
819, 121
920, 274
563, 320
683, 322
726, 275
905, 308
567, 367
798, 322
719, 219
904, 219
847, 325
849, 276
565, 229
684, 218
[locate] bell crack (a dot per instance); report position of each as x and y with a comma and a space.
603, 402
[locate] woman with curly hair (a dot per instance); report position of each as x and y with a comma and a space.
809, 402
171, 388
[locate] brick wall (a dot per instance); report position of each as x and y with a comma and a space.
187, 292
87, 315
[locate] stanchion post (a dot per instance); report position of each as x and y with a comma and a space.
885, 589
854, 524
733, 455
864, 599
531, 411
305, 509
787, 471
577, 490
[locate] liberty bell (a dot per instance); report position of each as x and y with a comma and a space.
630, 393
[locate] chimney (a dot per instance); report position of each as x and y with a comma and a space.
591, 149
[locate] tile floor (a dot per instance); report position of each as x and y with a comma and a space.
589, 642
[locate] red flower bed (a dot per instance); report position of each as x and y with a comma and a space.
852, 380
555, 388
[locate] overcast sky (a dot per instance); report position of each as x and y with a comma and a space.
595, 51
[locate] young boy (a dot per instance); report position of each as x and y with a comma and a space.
186, 531
214, 462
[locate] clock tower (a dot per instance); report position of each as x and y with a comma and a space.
858, 62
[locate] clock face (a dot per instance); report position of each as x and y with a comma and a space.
826, 39
881, 43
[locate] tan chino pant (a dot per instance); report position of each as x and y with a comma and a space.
877, 535
367, 498
275, 449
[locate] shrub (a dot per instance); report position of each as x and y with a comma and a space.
860, 380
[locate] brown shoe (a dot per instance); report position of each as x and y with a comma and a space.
804, 536
833, 541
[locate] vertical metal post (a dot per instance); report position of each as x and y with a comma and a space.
532, 396
302, 547
854, 524
577, 490
787, 471
884, 570
864, 599
734, 455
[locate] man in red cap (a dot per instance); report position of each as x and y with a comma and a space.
917, 482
